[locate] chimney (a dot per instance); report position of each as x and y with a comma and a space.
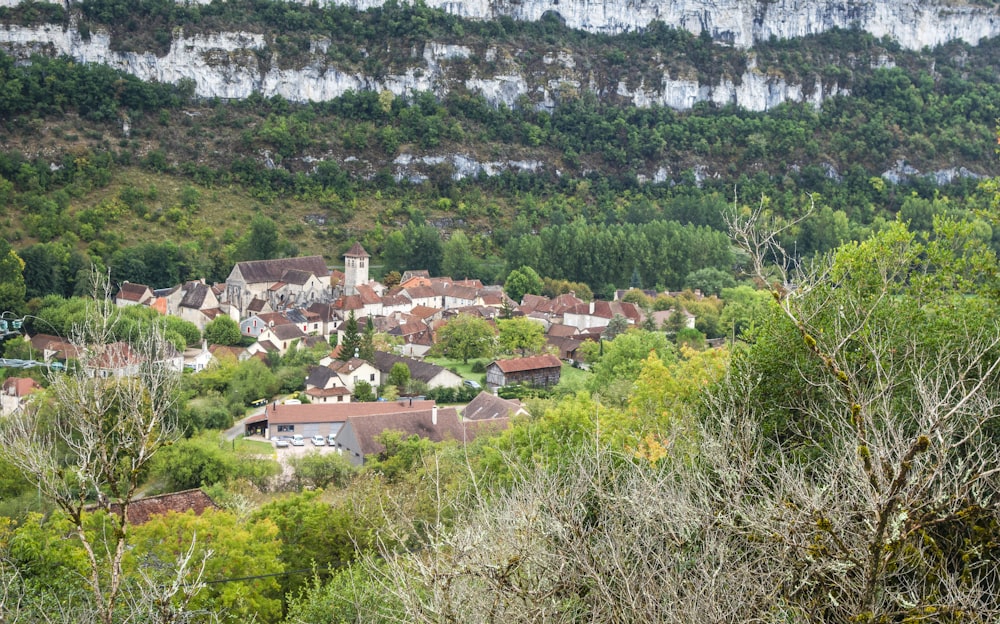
591, 306
434, 415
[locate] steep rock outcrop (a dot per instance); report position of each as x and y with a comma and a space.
913, 23
236, 65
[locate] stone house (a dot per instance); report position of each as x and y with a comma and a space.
254, 279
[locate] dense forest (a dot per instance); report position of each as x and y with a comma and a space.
834, 461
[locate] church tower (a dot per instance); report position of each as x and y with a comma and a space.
355, 268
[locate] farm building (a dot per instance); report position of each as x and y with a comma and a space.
538, 370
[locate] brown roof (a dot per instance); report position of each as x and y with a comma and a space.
142, 510
357, 251
334, 412
220, 351
256, 305
424, 312
394, 300
419, 423
487, 406
256, 271
368, 294
114, 355
346, 366
408, 275
328, 392
350, 302
134, 292
288, 331
323, 311
274, 318
529, 363
561, 331
419, 292
20, 386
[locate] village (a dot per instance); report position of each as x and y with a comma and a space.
285, 304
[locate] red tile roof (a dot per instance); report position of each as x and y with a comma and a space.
529, 363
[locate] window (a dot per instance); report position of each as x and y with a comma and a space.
372, 377
284, 428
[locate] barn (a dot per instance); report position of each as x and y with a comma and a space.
537, 370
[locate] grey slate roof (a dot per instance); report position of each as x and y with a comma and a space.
194, 295
422, 371
295, 276
487, 406
288, 332
367, 428
256, 271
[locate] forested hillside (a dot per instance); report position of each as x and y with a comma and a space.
799, 425
909, 133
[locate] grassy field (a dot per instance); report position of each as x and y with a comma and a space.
459, 367
257, 447
573, 377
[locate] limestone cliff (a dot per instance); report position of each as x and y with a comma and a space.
237, 64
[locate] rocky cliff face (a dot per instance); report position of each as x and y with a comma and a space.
234, 65
913, 23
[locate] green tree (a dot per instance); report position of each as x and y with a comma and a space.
366, 350
616, 326
709, 280
195, 462
186, 330
521, 282
91, 445
465, 336
744, 306
250, 380
223, 330
363, 392
230, 547
350, 344
616, 363
399, 375
12, 288
322, 470
262, 242
315, 533
520, 335
458, 260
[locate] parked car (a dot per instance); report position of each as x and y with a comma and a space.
318, 440
279, 442
331, 439
298, 440
472, 384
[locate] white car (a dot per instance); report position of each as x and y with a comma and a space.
318, 440
279, 442
331, 439
297, 440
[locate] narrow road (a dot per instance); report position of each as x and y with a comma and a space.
238, 427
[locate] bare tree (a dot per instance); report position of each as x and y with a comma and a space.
884, 509
880, 523
87, 449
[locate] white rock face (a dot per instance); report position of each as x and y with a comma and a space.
230, 66
234, 65
913, 23
410, 168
